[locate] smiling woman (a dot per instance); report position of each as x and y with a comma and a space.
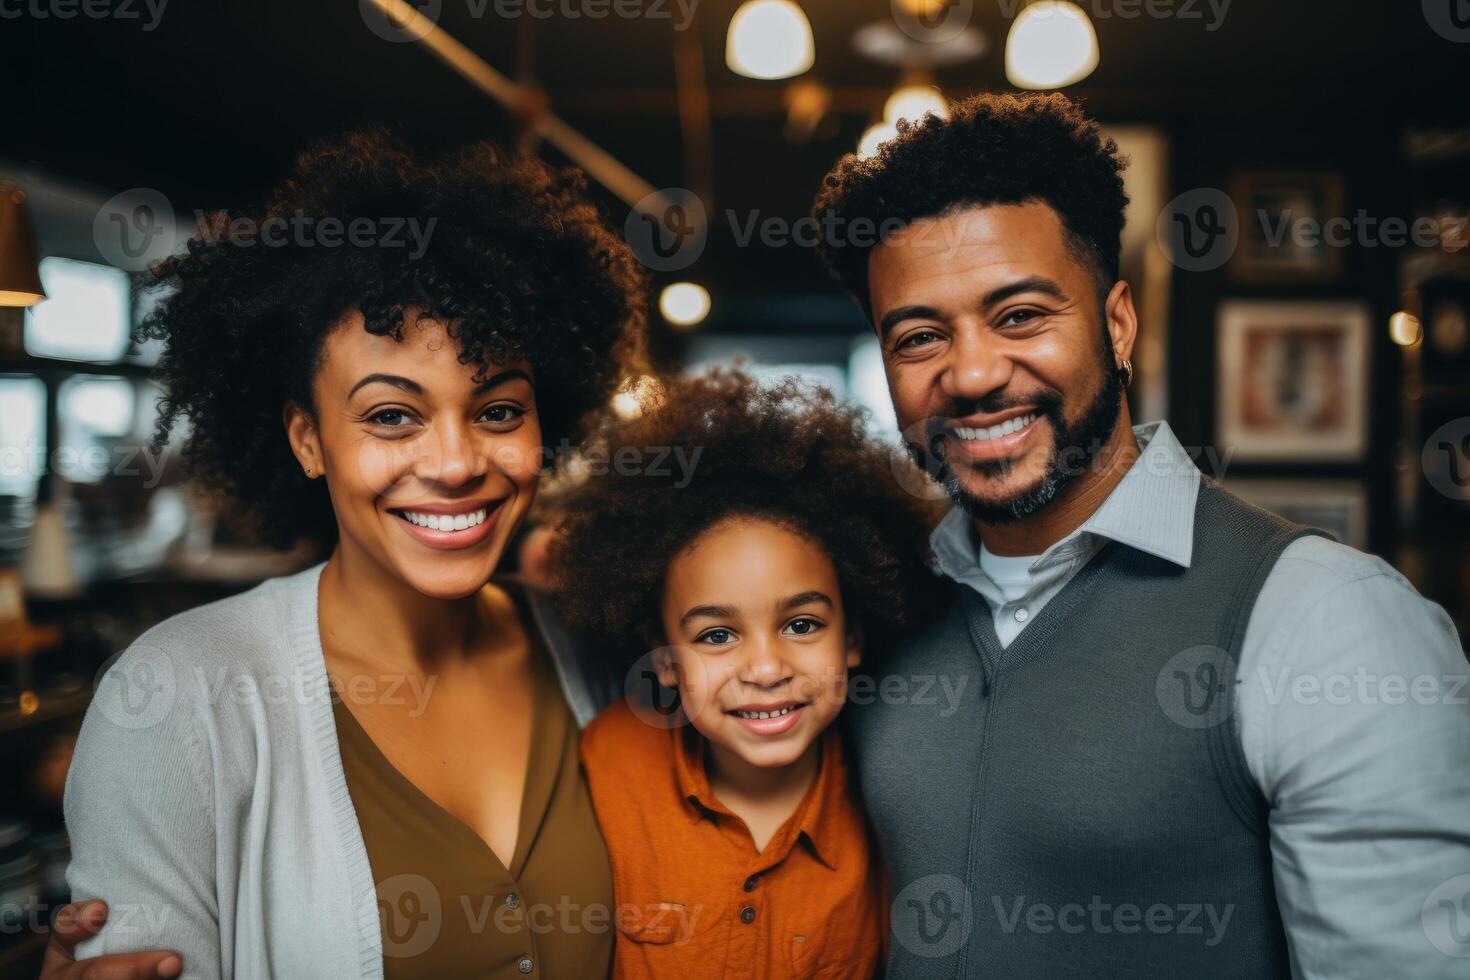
399, 407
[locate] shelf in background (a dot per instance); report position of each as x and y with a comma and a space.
25, 364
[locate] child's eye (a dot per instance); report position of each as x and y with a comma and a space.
718, 636
803, 626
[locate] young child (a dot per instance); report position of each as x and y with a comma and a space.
738, 842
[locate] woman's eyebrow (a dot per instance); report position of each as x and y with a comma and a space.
805, 598
504, 376
708, 612
396, 380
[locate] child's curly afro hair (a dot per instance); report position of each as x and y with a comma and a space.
785, 452
509, 254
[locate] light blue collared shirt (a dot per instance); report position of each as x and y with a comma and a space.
1353, 712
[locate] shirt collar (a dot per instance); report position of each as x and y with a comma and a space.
816, 819
1151, 509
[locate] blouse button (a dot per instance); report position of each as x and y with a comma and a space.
747, 914
751, 882
513, 901
1022, 615
525, 965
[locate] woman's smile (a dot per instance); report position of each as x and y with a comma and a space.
450, 526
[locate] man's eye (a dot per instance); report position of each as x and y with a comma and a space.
1018, 317
716, 637
803, 626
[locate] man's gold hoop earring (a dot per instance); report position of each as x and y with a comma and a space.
1127, 369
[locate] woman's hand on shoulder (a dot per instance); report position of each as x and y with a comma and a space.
80, 921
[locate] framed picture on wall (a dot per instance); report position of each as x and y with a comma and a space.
1292, 380
1339, 507
1284, 235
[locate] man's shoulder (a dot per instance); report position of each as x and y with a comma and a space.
1314, 566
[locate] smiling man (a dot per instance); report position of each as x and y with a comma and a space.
1137, 781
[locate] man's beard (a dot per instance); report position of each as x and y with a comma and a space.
1074, 447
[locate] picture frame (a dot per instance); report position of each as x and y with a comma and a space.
1282, 217
1292, 380
1337, 506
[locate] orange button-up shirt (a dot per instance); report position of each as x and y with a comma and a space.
695, 898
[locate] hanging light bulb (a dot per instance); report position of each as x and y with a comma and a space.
913, 101
769, 39
684, 304
875, 136
1050, 45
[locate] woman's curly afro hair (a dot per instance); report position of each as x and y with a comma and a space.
994, 149
507, 252
789, 453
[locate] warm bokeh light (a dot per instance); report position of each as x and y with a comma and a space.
684, 304
635, 396
912, 102
875, 136
1405, 329
769, 39
1051, 44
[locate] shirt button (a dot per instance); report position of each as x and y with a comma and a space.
1022, 615
747, 914
751, 882
525, 965
512, 901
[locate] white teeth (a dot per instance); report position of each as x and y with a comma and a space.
446, 522
767, 714
970, 434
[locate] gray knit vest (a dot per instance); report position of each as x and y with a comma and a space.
1077, 804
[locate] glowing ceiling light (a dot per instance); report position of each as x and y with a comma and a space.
1050, 45
875, 136
684, 303
769, 39
913, 102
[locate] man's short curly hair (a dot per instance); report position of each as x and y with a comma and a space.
994, 149
511, 256
787, 452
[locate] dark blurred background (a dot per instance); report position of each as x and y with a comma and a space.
1326, 375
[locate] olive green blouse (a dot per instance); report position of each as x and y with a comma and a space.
447, 905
